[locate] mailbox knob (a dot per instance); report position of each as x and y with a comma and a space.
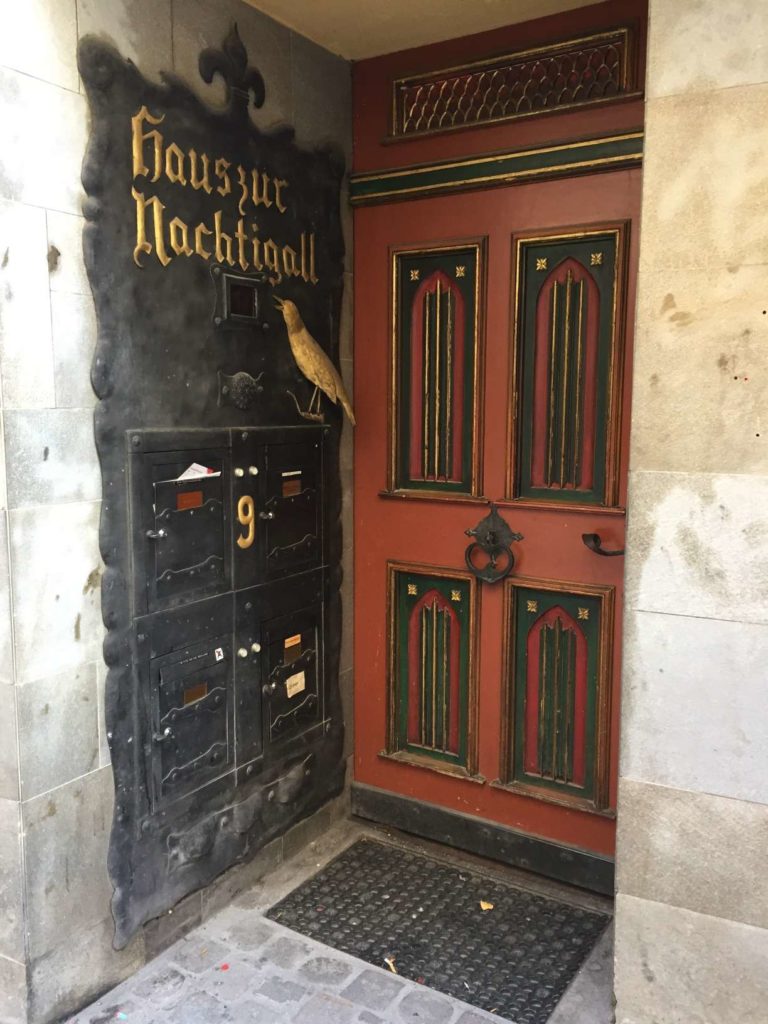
239, 471
155, 534
256, 648
253, 470
160, 737
242, 652
266, 515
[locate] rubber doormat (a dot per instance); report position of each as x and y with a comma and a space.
497, 947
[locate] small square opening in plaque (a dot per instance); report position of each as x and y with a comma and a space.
241, 299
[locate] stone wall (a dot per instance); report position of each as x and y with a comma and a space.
692, 906
55, 779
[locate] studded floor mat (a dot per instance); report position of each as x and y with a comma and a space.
499, 948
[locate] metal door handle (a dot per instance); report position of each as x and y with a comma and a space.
266, 515
594, 543
156, 534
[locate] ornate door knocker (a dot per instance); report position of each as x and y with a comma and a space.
493, 536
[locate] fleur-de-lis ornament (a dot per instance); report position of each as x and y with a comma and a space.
231, 62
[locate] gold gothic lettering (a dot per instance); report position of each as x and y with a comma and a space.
233, 239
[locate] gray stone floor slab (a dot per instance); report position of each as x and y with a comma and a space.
240, 968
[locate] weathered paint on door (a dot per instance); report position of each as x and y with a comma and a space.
493, 347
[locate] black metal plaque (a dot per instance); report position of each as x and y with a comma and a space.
221, 590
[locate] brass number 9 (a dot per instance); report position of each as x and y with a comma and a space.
246, 516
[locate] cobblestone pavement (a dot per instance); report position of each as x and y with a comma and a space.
240, 968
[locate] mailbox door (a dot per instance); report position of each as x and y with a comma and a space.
291, 512
192, 717
182, 528
293, 674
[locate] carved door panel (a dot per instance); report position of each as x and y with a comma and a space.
508, 345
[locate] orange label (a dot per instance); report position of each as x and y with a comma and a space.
189, 499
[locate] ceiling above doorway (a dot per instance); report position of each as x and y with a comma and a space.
356, 29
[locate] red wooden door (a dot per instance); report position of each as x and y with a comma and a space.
493, 347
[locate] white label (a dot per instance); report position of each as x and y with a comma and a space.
219, 654
295, 684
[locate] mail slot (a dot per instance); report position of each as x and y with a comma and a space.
182, 525
293, 674
192, 739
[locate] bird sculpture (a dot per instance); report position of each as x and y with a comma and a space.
314, 364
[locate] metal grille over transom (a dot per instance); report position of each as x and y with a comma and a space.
572, 73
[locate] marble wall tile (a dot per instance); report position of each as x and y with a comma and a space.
693, 46
11, 884
687, 723
41, 167
705, 191
346, 324
66, 263
322, 96
39, 39
66, 837
140, 29
74, 340
679, 967
709, 327
78, 969
56, 588
697, 545
13, 991
686, 856
6, 626
347, 687
9, 759
3, 488
105, 757
58, 729
26, 350
51, 457
198, 24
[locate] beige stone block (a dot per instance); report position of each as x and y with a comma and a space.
41, 167
13, 991
695, 704
51, 457
66, 263
198, 24
11, 883
677, 847
705, 188
58, 730
79, 968
697, 545
675, 966
39, 39
698, 45
140, 29
26, 350
9, 758
66, 839
74, 340
701, 357
6, 629
56, 584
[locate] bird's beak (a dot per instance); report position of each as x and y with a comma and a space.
278, 301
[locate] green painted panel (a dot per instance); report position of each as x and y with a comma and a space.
502, 168
435, 353
431, 669
554, 688
566, 299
